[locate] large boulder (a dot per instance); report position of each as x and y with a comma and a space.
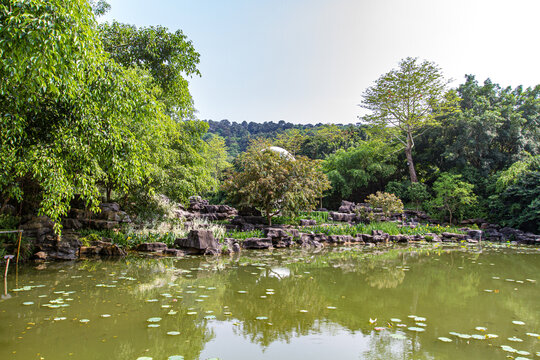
152, 246
257, 243
60, 248
198, 241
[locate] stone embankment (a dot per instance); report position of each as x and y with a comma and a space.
47, 245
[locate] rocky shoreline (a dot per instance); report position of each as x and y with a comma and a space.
48, 246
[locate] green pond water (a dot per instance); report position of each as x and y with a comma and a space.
336, 303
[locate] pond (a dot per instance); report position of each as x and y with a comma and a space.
416, 302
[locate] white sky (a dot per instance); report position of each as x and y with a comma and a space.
309, 61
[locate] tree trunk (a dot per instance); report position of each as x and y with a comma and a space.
268, 217
410, 163
109, 194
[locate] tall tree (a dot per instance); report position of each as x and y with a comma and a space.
405, 100
276, 183
62, 102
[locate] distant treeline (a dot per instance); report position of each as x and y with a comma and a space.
238, 135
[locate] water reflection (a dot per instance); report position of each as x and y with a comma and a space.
275, 304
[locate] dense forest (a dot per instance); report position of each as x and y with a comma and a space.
95, 112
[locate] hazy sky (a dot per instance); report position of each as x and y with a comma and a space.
309, 61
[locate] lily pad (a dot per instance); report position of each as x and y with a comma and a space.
105, 315
480, 328
27, 303
331, 307
153, 325
417, 329
464, 336
523, 352
144, 358
515, 339
154, 319
396, 320
173, 333
419, 318
533, 335
210, 317
398, 336
444, 339
492, 336
84, 321
261, 318
175, 357
508, 348
303, 311
478, 337
517, 322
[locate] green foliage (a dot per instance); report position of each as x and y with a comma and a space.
62, 103
243, 235
453, 197
418, 193
168, 58
215, 156
355, 171
276, 183
128, 240
77, 117
389, 203
405, 100
494, 128
516, 201
390, 228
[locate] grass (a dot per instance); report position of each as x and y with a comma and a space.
126, 239
243, 235
388, 227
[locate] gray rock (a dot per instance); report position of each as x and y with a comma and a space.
198, 242
257, 243
475, 234
151, 247
112, 250
275, 233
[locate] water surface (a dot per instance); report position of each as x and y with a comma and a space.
339, 303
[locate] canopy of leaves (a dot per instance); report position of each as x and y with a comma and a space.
62, 103
452, 196
516, 201
168, 58
407, 98
275, 183
494, 128
356, 171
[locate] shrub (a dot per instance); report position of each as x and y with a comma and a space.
453, 197
389, 203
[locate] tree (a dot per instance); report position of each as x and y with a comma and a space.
406, 100
177, 166
516, 198
357, 171
168, 57
452, 196
275, 183
215, 156
62, 102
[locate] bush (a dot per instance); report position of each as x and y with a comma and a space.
453, 197
418, 193
389, 203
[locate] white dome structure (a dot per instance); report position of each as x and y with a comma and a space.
281, 151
